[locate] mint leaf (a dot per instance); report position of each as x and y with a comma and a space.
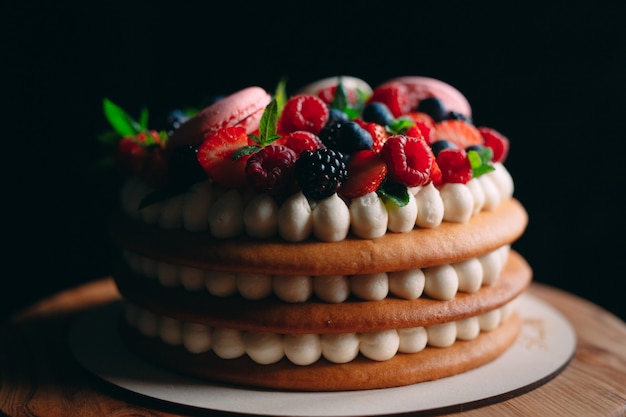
143, 119
394, 192
340, 99
269, 121
400, 125
121, 122
280, 95
245, 150
479, 160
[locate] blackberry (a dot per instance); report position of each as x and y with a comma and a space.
328, 134
346, 137
320, 172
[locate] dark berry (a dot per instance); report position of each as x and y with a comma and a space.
328, 134
454, 115
378, 113
320, 173
337, 115
351, 137
440, 145
270, 170
175, 118
184, 168
474, 148
433, 107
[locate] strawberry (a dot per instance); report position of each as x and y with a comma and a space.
366, 171
498, 143
301, 140
215, 156
303, 112
394, 95
436, 175
378, 132
409, 160
459, 132
455, 166
424, 123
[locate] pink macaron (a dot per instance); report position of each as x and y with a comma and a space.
243, 108
420, 88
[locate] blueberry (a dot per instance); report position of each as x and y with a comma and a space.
337, 115
453, 115
351, 138
474, 148
440, 145
378, 113
433, 107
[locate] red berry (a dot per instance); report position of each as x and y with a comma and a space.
303, 112
130, 157
378, 132
409, 160
498, 143
455, 166
215, 156
395, 96
328, 95
459, 132
271, 169
436, 177
366, 171
301, 140
424, 123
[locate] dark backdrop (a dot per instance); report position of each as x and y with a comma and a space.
550, 77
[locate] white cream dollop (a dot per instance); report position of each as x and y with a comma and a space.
368, 216
331, 219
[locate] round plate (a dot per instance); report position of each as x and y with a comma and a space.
544, 348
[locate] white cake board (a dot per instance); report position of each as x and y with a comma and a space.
544, 348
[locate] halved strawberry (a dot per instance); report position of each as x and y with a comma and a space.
459, 132
394, 95
366, 171
498, 143
424, 123
215, 156
378, 132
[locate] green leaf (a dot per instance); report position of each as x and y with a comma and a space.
121, 122
143, 119
269, 121
245, 150
340, 100
394, 192
480, 161
280, 95
400, 125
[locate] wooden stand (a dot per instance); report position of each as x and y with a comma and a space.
39, 376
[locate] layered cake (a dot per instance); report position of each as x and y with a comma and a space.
340, 237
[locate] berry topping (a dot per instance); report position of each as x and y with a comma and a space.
377, 112
409, 160
459, 132
495, 140
454, 165
215, 155
337, 115
320, 173
366, 171
394, 96
303, 112
270, 170
433, 107
378, 132
300, 141
441, 144
351, 137
424, 123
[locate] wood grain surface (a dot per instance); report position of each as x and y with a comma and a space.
39, 376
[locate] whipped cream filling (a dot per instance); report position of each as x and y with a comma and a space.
440, 282
304, 349
231, 213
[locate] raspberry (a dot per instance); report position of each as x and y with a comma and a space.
301, 140
409, 160
320, 173
270, 170
303, 112
455, 166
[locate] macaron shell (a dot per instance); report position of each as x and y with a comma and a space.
348, 81
243, 108
420, 88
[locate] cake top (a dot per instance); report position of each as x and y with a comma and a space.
335, 138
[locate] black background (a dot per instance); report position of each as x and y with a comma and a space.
551, 77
